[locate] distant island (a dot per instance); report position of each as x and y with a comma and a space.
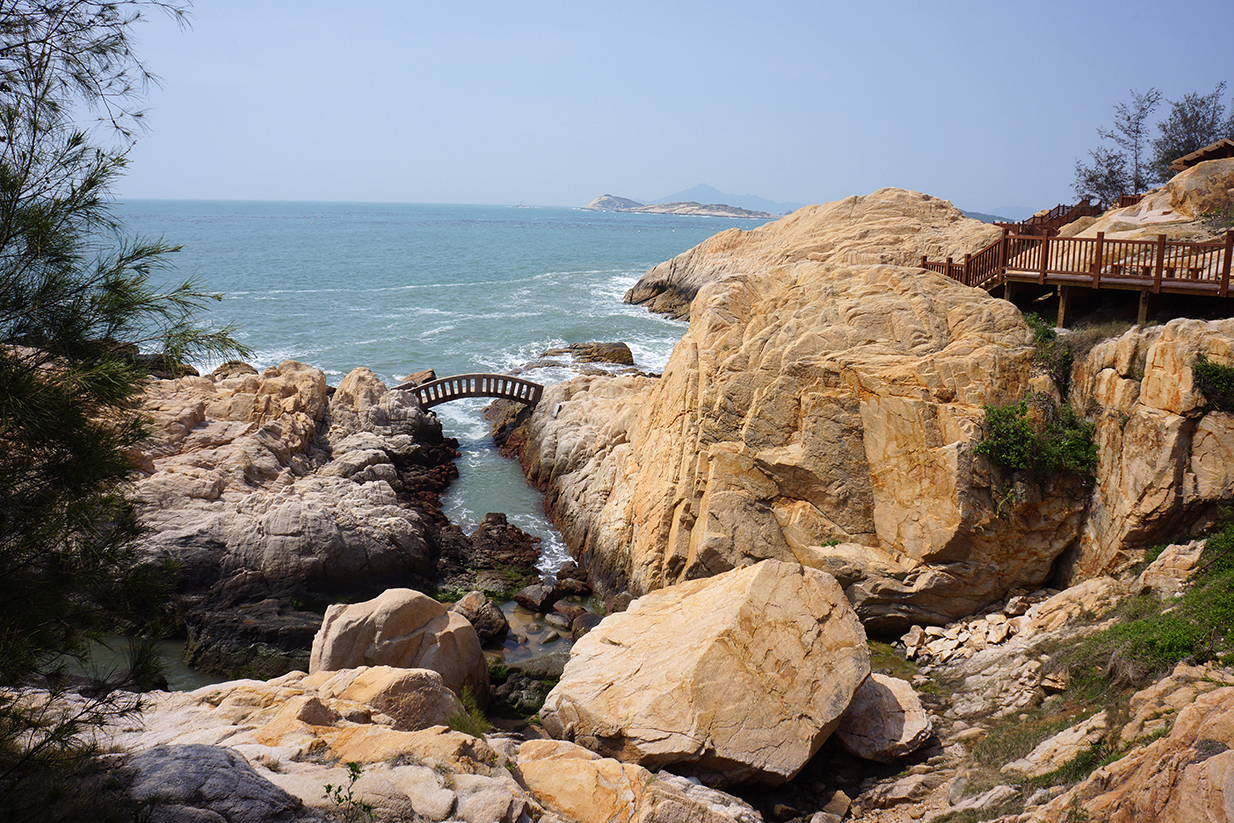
608, 202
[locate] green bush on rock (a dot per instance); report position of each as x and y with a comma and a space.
1215, 381
1056, 441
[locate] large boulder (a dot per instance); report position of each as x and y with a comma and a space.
885, 720
582, 786
823, 407
193, 783
888, 226
739, 677
404, 629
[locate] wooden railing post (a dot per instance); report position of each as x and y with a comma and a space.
1045, 259
1225, 264
1004, 253
947, 267
1159, 268
967, 258
1098, 255
923, 261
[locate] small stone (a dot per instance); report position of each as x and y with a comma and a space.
538, 597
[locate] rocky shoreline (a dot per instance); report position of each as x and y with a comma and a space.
803, 590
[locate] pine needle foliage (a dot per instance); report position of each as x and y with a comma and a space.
79, 309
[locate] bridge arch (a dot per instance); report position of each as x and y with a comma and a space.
501, 386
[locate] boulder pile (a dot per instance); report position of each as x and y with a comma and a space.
267, 494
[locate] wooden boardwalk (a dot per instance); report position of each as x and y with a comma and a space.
1147, 266
500, 386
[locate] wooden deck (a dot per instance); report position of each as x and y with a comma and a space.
1152, 266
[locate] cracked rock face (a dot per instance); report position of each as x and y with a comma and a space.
264, 491
740, 677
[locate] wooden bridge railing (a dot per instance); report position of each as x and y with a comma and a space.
1048, 223
501, 386
1159, 265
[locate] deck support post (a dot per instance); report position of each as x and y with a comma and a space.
1008, 291
1146, 298
1064, 306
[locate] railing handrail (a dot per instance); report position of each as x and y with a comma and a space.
1156, 265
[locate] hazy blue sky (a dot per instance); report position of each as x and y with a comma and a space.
987, 104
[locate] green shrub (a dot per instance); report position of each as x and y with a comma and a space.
1061, 442
349, 808
471, 719
1053, 354
1215, 381
1198, 627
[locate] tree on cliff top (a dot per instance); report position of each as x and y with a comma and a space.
1112, 173
1193, 122
77, 305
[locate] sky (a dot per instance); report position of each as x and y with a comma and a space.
986, 104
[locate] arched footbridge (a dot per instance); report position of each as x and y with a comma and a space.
501, 386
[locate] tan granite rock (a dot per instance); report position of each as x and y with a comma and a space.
1083, 602
405, 629
885, 720
412, 698
818, 410
583, 786
1167, 576
737, 677
1060, 749
1164, 456
889, 226
1154, 708
298, 732
1187, 775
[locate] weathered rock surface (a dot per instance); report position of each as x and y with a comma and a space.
889, 226
820, 411
585, 787
261, 489
485, 616
405, 629
1165, 457
498, 558
264, 751
1060, 749
194, 783
1187, 775
1176, 209
824, 405
763, 662
1167, 576
885, 720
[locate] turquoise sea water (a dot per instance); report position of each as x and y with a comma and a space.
399, 288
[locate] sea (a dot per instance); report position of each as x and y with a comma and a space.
399, 288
